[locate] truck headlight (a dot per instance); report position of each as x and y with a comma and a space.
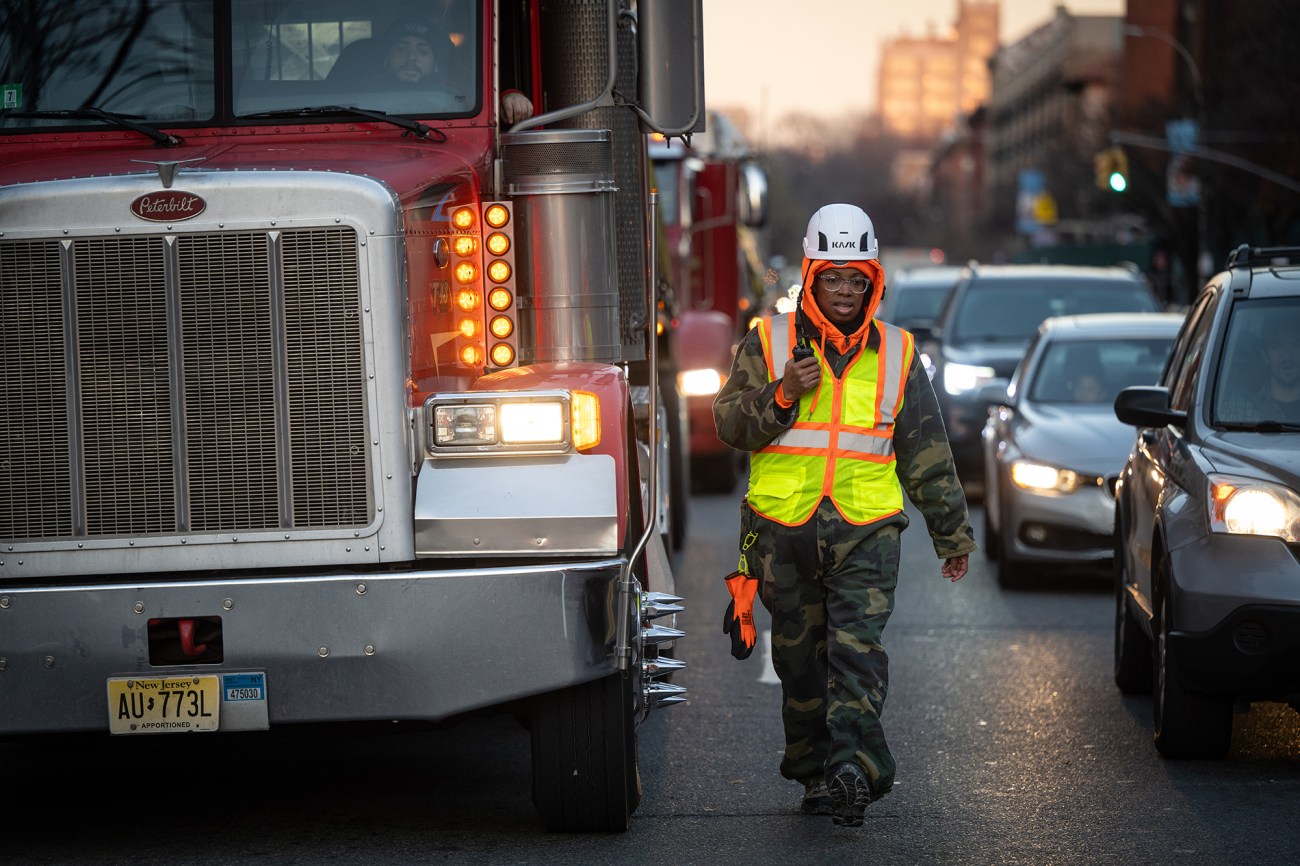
961, 379
700, 383
545, 422
1246, 506
1041, 478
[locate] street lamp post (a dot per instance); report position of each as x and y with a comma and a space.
1198, 94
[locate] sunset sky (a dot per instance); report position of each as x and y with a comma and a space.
821, 56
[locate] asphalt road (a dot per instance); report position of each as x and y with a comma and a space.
1013, 746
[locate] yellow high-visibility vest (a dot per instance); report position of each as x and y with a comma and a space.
842, 443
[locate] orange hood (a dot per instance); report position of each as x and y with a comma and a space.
872, 270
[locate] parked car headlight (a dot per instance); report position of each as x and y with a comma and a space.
961, 379
1042, 478
1246, 506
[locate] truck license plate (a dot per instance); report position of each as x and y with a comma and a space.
154, 705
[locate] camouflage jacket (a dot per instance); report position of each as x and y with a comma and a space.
748, 417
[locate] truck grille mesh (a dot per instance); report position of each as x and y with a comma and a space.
35, 481
198, 383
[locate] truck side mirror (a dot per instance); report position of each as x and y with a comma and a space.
670, 48
753, 195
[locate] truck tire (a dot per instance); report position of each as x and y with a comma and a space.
718, 474
586, 778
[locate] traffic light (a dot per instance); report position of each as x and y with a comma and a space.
1119, 170
1112, 169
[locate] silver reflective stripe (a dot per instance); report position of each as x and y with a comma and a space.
893, 344
798, 438
881, 446
780, 344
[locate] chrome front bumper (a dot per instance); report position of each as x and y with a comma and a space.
333, 647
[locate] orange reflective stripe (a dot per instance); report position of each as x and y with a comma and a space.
864, 457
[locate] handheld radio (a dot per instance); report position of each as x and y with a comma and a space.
802, 348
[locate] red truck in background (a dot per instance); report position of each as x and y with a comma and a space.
326, 399
713, 207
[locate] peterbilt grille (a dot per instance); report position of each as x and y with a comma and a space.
201, 383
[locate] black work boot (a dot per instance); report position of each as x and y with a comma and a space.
850, 793
816, 798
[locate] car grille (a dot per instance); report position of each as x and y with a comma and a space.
189, 383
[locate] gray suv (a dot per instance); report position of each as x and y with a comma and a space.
1207, 518
987, 323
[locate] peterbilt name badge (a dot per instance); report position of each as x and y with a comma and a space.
168, 205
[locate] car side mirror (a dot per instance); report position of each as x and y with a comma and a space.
1147, 406
923, 334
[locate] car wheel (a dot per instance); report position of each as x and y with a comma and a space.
989, 536
1188, 724
1133, 666
1011, 574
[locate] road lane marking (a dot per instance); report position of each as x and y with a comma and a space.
769, 672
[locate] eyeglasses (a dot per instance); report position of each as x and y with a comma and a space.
832, 283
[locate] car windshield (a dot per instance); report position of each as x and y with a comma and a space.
1093, 371
156, 61
995, 310
1259, 377
918, 303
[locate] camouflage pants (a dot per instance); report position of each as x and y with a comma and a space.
829, 586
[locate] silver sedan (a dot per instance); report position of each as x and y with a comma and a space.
1053, 447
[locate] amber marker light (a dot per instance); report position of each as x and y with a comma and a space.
498, 244
1221, 493
467, 300
584, 410
463, 218
466, 273
465, 245
499, 271
499, 299
496, 216
501, 327
503, 355
471, 356
468, 327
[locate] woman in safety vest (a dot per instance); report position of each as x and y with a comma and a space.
840, 418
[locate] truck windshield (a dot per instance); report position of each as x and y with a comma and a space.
158, 62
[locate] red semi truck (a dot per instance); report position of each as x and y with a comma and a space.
714, 204
326, 398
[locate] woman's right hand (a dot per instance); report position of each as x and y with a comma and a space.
801, 377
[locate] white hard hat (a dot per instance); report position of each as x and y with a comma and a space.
841, 233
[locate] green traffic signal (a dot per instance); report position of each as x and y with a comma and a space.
1118, 178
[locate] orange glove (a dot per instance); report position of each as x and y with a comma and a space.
738, 621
